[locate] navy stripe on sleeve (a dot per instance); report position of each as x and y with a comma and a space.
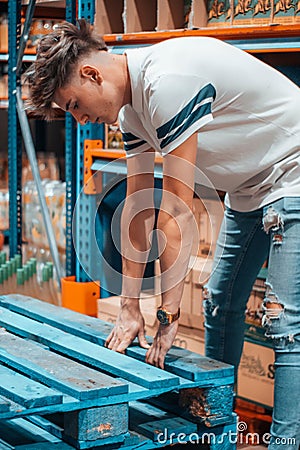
129, 137
131, 141
128, 147
204, 110
192, 112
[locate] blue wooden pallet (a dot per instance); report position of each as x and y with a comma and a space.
53, 361
158, 432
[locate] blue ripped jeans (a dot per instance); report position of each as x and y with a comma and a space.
246, 240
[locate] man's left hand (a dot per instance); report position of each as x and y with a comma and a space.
162, 343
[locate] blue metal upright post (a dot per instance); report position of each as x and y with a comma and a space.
14, 133
84, 223
70, 164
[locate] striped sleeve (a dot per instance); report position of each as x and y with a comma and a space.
133, 144
181, 112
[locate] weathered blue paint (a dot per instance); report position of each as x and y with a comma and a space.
87, 352
96, 423
57, 371
179, 361
27, 392
102, 420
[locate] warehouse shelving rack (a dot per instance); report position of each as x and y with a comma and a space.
276, 44
74, 135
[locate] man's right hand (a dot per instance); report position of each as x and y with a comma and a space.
129, 325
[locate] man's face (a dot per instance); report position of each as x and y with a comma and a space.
89, 98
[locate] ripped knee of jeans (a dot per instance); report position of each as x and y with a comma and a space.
209, 306
272, 307
273, 314
272, 221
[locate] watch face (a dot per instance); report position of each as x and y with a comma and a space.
162, 317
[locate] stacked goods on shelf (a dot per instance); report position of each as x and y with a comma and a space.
4, 213
34, 233
3, 87
34, 230
47, 164
113, 137
38, 29
3, 33
3, 67
134, 16
18, 278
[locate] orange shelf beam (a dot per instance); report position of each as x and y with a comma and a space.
223, 33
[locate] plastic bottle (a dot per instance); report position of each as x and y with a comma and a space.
13, 276
10, 286
45, 291
36, 289
1, 282
5, 278
20, 280
26, 289
2, 257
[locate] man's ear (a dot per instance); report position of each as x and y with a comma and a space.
91, 72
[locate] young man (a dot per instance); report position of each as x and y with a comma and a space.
245, 115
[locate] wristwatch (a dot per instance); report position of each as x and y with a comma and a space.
165, 317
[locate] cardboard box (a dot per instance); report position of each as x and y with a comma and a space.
256, 374
139, 15
209, 216
286, 12
219, 13
113, 137
109, 16
190, 339
197, 17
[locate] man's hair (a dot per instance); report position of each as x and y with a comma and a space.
57, 54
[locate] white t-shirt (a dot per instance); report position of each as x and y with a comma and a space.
247, 115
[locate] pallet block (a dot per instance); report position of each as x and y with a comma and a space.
58, 378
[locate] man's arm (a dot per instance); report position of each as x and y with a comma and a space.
176, 227
137, 224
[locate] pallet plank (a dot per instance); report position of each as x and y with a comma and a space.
20, 432
157, 424
57, 371
179, 361
4, 404
43, 341
25, 391
96, 423
87, 352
